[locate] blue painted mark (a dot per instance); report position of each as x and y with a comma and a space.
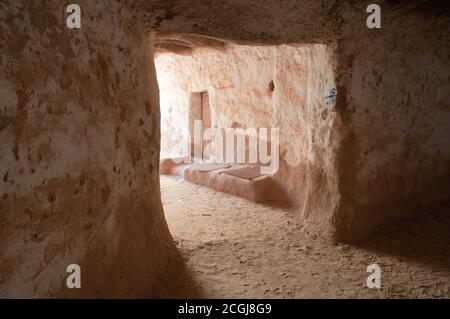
331, 98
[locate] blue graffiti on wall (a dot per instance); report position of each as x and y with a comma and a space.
331, 97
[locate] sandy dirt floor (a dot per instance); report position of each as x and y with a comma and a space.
239, 249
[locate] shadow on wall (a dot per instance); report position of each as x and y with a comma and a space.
425, 238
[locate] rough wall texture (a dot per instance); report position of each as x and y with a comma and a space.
79, 129
391, 113
260, 21
263, 87
79, 138
395, 158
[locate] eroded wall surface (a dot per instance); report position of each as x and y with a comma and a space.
390, 121
79, 129
79, 139
395, 158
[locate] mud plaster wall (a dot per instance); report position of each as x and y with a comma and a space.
79, 139
239, 84
396, 157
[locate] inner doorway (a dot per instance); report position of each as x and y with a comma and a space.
200, 109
